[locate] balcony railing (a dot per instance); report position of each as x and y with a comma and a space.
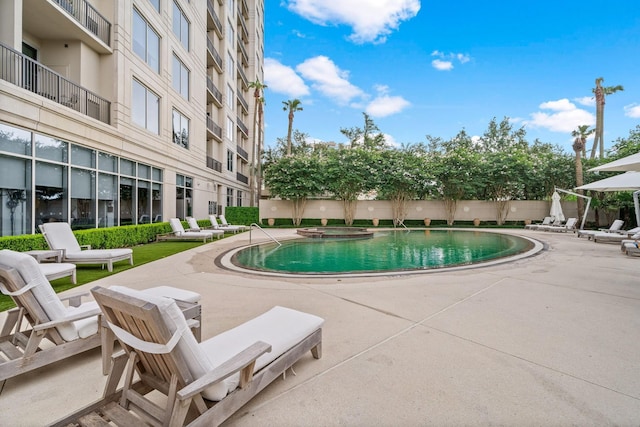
242, 127
215, 93
214, 164
215, 56
243, 77
243, 26
28, 74
242, 102
214, 128
242, 178
87, 16
245, 8
216, 21
242, 153
242, 49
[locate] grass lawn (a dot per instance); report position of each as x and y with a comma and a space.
88, 273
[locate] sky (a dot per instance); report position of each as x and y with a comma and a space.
435, 68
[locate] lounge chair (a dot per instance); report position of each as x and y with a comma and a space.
570, 225
41, 330
227, 228
214, 378
618, 237
555, 223
546, 221
60, 237
224, 223
193, 226
631, 248
179, 233
615, 227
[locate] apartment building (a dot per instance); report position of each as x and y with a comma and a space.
126, 112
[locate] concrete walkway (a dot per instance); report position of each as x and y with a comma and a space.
549, 340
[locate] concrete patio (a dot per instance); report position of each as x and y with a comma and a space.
553, 339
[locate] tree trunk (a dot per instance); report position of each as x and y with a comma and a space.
502, 210
450, 210
349, 211
579, 182
399, 209
298, 210
289, 131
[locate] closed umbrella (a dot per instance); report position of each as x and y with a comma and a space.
556, 207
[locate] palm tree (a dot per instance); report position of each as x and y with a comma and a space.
581, 134
600, 93
292, 105
258, 89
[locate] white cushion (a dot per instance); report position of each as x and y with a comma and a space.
176, 226
98, 254
30, 271
173, 293
56, 268
60, 236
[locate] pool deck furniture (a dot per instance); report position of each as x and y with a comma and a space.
546, 221
555, 223
46, 255
193, 226
615, 227
54, 331
618, 237
210, 380
179, 233
59, 237
570, 225
58, 270
224, 223
227, 228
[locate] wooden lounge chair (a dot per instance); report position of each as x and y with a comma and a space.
193, 226
226, 229
179, 233
41, 330
60, 237
202, 384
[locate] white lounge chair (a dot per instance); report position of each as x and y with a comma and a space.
42, 329
570, 225
615, 227
179, 233
546, 221
224, 223
209, 380
555, 223
193, 226
618, 237
60, 237
228, 228
631, 248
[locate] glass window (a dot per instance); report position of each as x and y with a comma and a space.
230, 128
13, 140
127, 200
146, 41
230, 64
184, 201
156, 4
180, 129
230, 99
107, 200
144, 171
51, 193
107, 162
156, 202
145, 107
81, 156
230, 160
180, 77
156, 174
83, 198
229, 196
231, 34
180, 25
144, 202
51, 148
239, 198
127, 167
15, 196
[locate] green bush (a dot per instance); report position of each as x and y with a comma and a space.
241, 215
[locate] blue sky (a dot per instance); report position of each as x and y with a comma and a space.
433, 68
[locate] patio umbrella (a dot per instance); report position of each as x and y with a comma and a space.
629, 163
556, 207
629, 181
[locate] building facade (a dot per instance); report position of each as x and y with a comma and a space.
126, 112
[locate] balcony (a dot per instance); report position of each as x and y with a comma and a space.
243, 103
242, 50
214, 164
243, 26
242, 178
213, 21
213, 94
242, 153
213, 130
243, 78
67, 20
213, 57
245, 8
242, 127
28, 74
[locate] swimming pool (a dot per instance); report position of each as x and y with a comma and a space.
385, 252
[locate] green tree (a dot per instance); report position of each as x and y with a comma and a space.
293, 106
256, 150
600, 94
295, 178
368, 137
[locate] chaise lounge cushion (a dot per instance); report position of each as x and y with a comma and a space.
50, 303
280, 327
60, 237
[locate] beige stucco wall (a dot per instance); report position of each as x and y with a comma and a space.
466, 210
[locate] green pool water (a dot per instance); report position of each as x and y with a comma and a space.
385, 251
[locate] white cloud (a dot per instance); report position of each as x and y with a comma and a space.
384, 105
371, 20
563, 117
442, 65
632, 110
329, 80
283, 79
587, 101
444, 61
